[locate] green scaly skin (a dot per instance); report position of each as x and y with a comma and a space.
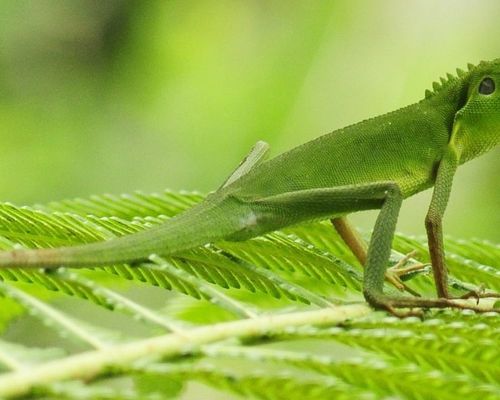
374, 164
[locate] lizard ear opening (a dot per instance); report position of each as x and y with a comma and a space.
487, 86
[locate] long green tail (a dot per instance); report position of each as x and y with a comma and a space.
207, 222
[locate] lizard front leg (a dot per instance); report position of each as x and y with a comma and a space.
433, 225
433, 220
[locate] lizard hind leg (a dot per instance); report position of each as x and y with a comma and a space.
359, 248
256, 156
322, 202
378, 254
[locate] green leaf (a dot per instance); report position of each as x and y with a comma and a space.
236, 316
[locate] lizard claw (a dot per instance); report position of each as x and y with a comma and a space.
394, 274
479, 293
405, 314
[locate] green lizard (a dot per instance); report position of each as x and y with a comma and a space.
374, 164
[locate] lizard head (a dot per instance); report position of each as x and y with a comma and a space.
476, 126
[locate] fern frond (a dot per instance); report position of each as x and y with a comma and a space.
94, 363
16, 357
79, 391
284, 254
58, 281
51, 229
127, 206
477, 327
466, 269
453, 354
364, 373
481, 251
262, 385
203, 289
245, 303
53, 318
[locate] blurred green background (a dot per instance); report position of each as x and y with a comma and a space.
115, 96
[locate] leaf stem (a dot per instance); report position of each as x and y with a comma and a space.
90, 364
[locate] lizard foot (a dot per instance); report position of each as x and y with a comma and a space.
394, 274
418, 304
478, 294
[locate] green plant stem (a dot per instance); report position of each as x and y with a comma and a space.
90, 364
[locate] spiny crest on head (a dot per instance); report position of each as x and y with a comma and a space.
444, 82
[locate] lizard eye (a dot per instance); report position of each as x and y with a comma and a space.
487, 86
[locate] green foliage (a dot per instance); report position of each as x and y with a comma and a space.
97, 328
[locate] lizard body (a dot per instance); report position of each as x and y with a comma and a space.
374, 164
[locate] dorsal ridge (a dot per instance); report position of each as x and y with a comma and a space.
443, 83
